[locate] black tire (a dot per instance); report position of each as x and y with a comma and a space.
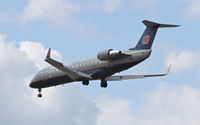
39, 95
104, 85
85, 82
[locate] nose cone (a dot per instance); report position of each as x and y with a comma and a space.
36, 80
33, 84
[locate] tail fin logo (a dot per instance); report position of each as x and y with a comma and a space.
145, 39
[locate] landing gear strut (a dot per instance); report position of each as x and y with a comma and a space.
104, 83
39, 95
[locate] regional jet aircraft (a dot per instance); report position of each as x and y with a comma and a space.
102, 67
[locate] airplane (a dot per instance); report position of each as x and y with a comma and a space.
102, 67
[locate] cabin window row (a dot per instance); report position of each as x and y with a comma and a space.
82, 64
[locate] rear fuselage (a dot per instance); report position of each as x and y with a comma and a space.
98, 69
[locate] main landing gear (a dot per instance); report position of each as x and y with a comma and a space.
85, 82
39, 95
104, 83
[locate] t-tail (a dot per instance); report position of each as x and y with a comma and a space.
149, 34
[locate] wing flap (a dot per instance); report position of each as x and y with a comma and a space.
73, 74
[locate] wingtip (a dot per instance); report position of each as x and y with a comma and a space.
49, 53
175, 25
168, 70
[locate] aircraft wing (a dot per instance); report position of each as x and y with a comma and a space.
127, 77
73, 74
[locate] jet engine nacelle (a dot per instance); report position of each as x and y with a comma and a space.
108, 54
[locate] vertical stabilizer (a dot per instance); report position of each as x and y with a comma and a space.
149, 34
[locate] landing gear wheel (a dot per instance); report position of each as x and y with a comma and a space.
104, 84
39, 95
85, 82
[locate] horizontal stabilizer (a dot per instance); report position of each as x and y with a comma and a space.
157, 25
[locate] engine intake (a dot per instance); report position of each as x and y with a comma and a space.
108, 54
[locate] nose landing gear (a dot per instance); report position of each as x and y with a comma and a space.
39, 95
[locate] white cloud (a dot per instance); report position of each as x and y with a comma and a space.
114, 111
193, 8
183, 60
173, 105
36, 53
178, 105
147, 5
112, 5
62, 12
19, 103
11, 59
57, 11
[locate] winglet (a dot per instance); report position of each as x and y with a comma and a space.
48, 54
168, 70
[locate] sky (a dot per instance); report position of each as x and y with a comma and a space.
80, 29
